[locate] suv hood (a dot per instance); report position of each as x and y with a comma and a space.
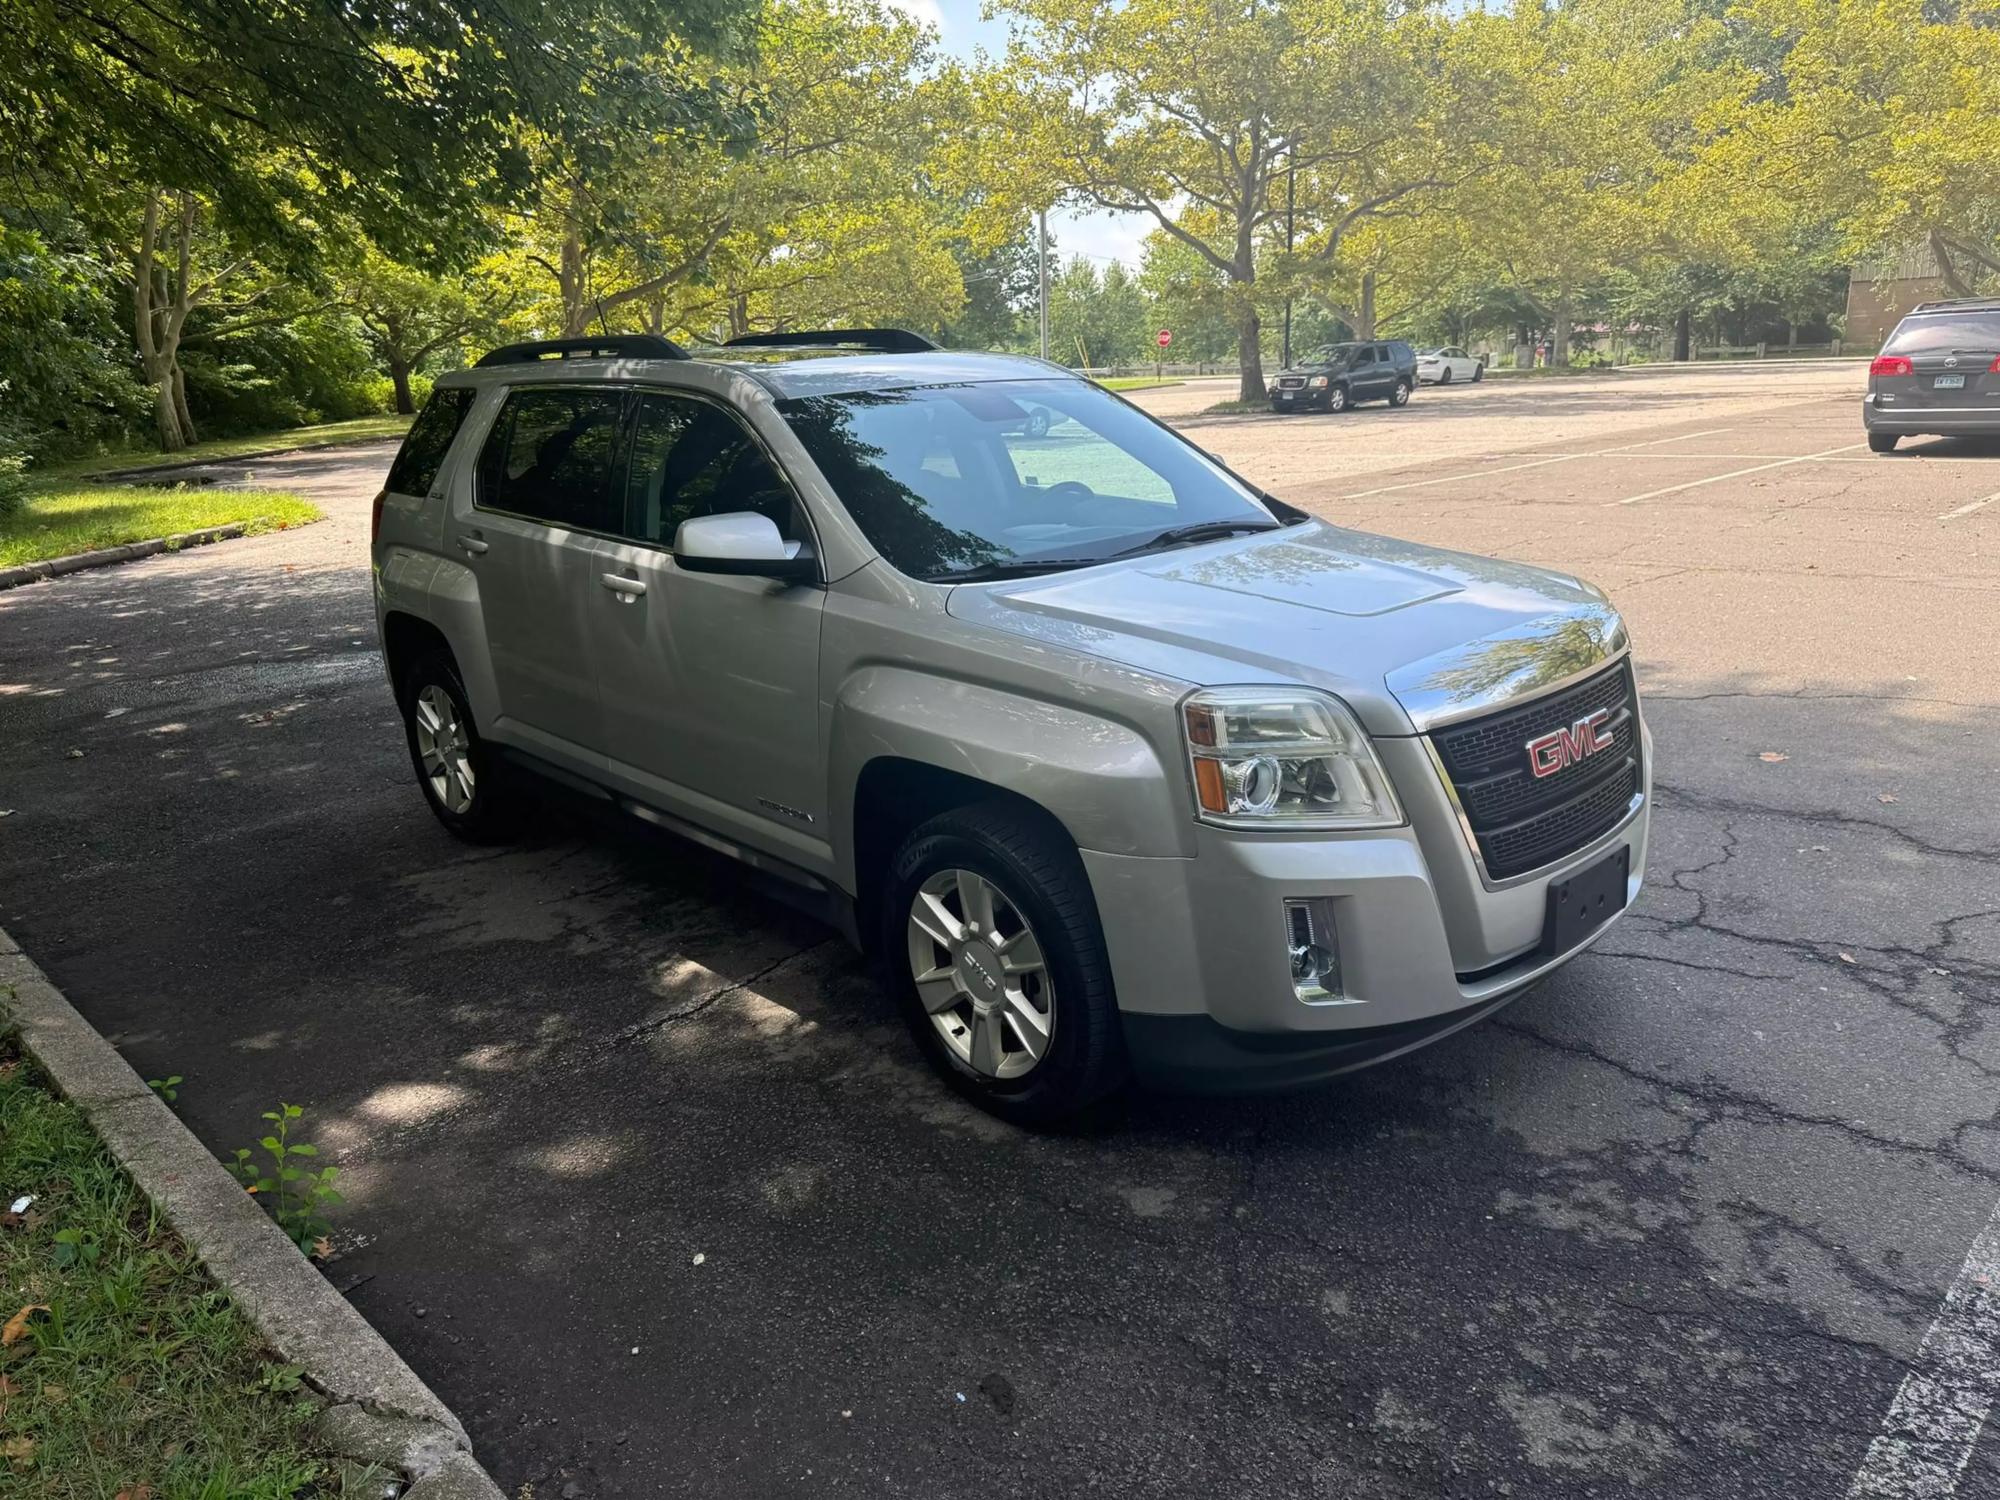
1407, 635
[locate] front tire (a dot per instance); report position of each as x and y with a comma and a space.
461, 777
992, 945
1336, 398
1882, 442
1400, 396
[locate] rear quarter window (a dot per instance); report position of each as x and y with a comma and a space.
422, 454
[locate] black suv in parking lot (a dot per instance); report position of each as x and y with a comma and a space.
1344, 375
1939, 372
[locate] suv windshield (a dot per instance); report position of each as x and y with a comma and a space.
1939, 333
1332, 354
1019, 475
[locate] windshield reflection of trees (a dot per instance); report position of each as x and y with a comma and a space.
896, 517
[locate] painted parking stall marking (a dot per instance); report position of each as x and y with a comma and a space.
1695, 484
1968, 509
1934, 1422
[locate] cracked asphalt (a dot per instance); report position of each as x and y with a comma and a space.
1673, 1224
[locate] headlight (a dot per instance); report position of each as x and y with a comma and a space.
1283, 758
1316, 381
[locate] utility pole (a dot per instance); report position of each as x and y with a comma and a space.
1291, 188
1042, 276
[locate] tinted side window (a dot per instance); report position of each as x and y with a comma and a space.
693, 459
1363, 357
422, 454
550, 456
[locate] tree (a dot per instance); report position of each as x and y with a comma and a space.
1191, 111
1096, 318
409, 316
406, 117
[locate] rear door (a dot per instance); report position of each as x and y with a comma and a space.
1951, 357
542, 496
710, 683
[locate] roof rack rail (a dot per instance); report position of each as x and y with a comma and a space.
1957, 303
870, 340
606, 346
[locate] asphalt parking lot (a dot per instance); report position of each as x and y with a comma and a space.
1677, 1223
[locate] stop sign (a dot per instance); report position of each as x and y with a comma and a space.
1166, 337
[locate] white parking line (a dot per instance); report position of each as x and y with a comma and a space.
1966, 510
1695, 484
1417, 484
1928, 1436
1685, 437
1535, 463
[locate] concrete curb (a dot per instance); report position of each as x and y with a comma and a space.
104, 557
377, 1410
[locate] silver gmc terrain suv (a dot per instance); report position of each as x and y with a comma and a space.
1121, 766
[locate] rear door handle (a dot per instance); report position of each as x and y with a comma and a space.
618, 583
472, 542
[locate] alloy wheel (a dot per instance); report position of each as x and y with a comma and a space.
444, 748
981, 974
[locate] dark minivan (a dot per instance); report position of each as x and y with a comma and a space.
1344, 375
1939, 373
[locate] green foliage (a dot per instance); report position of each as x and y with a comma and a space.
1098, 317
139, 1374
167, 1088
67, 384
293, 1194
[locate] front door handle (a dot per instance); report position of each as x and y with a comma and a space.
472, 542
618, 583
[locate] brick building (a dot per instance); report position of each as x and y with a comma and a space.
1881, 291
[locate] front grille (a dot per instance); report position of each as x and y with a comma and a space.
1523, 821
1291, 382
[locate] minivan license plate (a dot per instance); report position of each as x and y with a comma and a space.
1585, 901
1948, 383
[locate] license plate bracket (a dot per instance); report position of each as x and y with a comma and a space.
1948, 383
1581, 903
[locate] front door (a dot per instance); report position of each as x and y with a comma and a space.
710, 683
544, 486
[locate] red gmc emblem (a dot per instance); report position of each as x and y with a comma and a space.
1549, 753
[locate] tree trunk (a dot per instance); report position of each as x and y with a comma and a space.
1559, 349
181, 412
1364, 327
1684, 335
1249, 354
1791, 336
569, 277
399, 377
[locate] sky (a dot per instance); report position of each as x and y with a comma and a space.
1103, 237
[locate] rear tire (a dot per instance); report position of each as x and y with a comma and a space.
1400, 396
1478, 372
1882, 442
1445, 377
1018, 1011
463, 781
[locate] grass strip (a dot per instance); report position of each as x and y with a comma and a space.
60, 522
125, 1373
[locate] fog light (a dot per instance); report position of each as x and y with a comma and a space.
1314, 949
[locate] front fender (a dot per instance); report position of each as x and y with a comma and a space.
1100, 778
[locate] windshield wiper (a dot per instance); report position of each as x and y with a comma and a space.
1024, 567
1200, 531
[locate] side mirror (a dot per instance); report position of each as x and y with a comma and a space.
742, 543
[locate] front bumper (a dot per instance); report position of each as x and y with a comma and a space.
1304, 399
1200, 956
